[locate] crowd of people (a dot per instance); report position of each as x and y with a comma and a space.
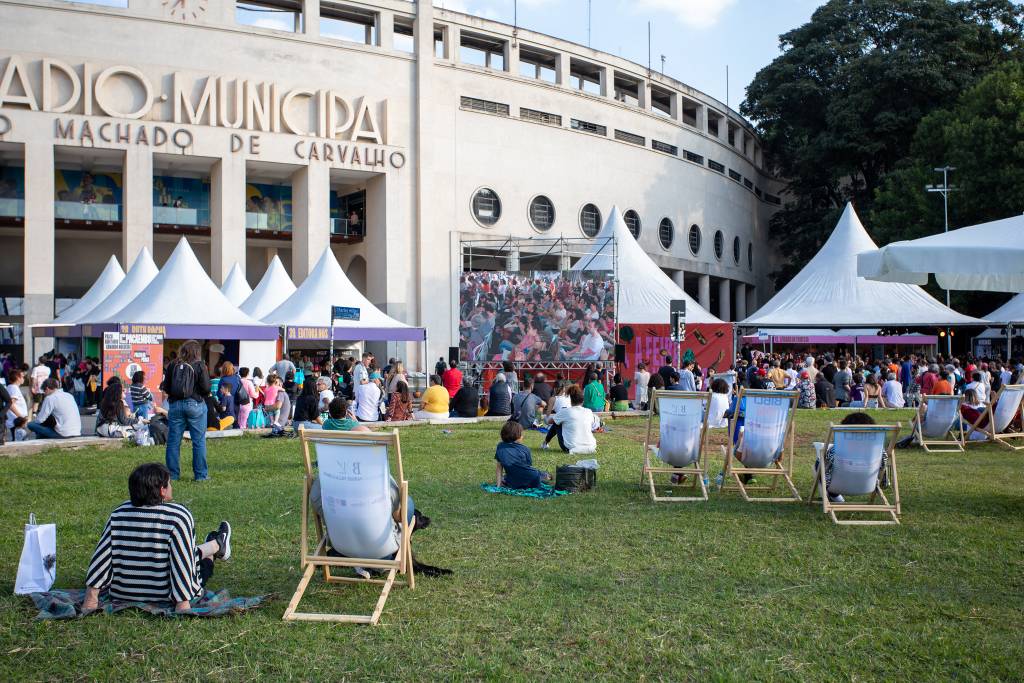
538, 317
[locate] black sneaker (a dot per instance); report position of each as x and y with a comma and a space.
223, 536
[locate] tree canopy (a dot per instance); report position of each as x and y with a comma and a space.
841, 110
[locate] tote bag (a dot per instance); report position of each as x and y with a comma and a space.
37, 568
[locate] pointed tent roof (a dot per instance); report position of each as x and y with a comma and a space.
235, 287
182, 294
1010, 312
829, 293
139, 276
270, 293
327, 286
106, 283
644, 289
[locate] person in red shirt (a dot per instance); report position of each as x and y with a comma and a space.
929, 379
452, 378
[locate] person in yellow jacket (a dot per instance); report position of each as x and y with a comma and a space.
435, 401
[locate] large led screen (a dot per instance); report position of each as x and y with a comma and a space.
548, 316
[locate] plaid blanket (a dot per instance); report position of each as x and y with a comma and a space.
543, 491
67, 604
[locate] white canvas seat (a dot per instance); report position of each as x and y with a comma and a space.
857, 471
998, 417
765, 443
941, 428
354, 477
682, 441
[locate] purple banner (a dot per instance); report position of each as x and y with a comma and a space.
342, 333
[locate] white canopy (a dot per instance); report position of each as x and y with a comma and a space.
271, 291
1010, 312
106, 283
235, 287
644, 289
988, 256
181, 294
324, 287
829, 293
138, 278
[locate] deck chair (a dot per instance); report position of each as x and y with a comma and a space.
1000, 413
763, 444
856, 472
682, 442
354, 475
941, 429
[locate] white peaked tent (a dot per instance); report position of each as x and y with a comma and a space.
644, 289
235, 287
182, 294
1012, 312
987, 256
270, 293
829, 293
138, 278
326, 286
106, 283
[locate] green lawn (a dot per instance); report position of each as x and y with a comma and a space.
599, 585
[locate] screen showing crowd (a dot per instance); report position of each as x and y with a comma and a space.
537, 316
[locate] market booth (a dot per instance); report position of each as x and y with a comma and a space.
829, 294
645, 294
1006, 340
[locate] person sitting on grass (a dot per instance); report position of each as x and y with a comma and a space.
435, 401
594, 396
515, 468
340, 420
573, 426
857, 418
225, 406
142, 397
147, 552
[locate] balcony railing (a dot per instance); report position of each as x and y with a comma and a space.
171, 215
77, 211
344, 228
267, 221
12, 208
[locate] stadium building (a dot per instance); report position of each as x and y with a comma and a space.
392, 131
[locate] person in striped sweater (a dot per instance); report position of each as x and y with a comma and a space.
148, 553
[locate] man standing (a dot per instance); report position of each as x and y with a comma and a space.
666, 370
58, 415
282, 367
359, 371
687, 381
148, 552
452, 379
37, 376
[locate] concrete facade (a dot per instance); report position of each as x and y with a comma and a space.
420, 111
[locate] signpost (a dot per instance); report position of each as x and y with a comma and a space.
339, 313
677, 322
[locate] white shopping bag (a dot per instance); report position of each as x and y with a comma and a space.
37, 569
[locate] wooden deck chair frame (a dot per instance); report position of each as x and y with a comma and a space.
892, 509
698, 469
318, 558
955, 442
989, 430
780, 469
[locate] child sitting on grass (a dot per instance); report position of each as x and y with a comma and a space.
515, 460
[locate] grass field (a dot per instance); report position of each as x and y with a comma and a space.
602, 585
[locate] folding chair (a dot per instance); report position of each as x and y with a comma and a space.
682, 442
999, 415
355, 487
941, 428
856, 471
763, 444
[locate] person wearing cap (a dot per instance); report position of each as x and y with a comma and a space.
808, 398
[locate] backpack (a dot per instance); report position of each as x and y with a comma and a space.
241, 394
183, 381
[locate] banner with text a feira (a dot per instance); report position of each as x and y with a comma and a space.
125, 354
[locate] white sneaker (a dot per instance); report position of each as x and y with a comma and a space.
544, 446
836, 498
362, 572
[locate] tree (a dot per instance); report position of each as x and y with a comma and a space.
839, 108
982, 136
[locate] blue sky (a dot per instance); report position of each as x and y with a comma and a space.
698, 37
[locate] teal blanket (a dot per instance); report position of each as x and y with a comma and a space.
543, 491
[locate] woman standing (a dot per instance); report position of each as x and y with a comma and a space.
187, 384
396, 375
641, 380
250, 390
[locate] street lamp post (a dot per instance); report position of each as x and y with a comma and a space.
944, 190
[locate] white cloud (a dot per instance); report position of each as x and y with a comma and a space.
694, 13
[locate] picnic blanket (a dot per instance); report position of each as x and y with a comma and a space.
67, 604
543, 491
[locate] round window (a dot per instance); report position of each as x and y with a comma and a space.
486, 207
736, 250
590, 220
632, 219
666, 233
542, 213
719, 244
694, 238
